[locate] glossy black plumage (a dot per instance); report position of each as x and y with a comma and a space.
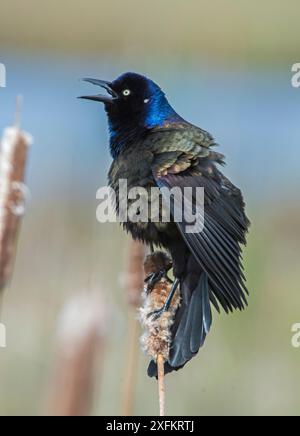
153, 146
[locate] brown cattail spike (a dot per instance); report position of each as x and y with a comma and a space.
81, 341
156, 340
13, 192
135, 274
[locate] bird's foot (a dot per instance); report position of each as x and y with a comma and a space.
156, 314
152, 279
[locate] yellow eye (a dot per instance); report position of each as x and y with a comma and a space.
126, 92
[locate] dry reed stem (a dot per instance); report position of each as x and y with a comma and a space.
131, 368
81, 341
135, 273
134, 285
13, 157
161, 384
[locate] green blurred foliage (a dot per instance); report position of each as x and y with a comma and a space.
248, 365
227, 30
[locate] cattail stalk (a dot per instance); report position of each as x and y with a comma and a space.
130, 368
161, 384
134, 285
81, 344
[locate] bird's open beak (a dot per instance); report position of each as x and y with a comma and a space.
102, 98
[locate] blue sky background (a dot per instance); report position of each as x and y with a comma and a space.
253, 114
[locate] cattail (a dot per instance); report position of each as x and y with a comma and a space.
135, 273
156, 340
13, 192
134, 282
81, 339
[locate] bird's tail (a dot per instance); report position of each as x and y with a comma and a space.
192, 323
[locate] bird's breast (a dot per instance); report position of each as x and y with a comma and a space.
134, 187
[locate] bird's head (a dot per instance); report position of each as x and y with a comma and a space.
133, 100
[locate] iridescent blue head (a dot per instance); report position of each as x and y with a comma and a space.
135, 104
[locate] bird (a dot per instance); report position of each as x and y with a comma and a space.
152, 146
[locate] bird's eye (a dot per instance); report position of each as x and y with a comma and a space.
126, 92
146, 100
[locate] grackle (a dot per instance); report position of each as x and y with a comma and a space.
152, 146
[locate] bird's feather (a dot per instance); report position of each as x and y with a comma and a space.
217, 247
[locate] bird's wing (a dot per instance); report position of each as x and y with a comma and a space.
217, 247
180, 147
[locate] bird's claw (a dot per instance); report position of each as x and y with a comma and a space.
152, 279
156, 313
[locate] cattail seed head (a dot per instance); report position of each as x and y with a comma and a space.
13, 193
157, 337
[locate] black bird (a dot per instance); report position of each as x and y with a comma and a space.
152, 146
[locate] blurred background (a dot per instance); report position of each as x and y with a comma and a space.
226, 66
